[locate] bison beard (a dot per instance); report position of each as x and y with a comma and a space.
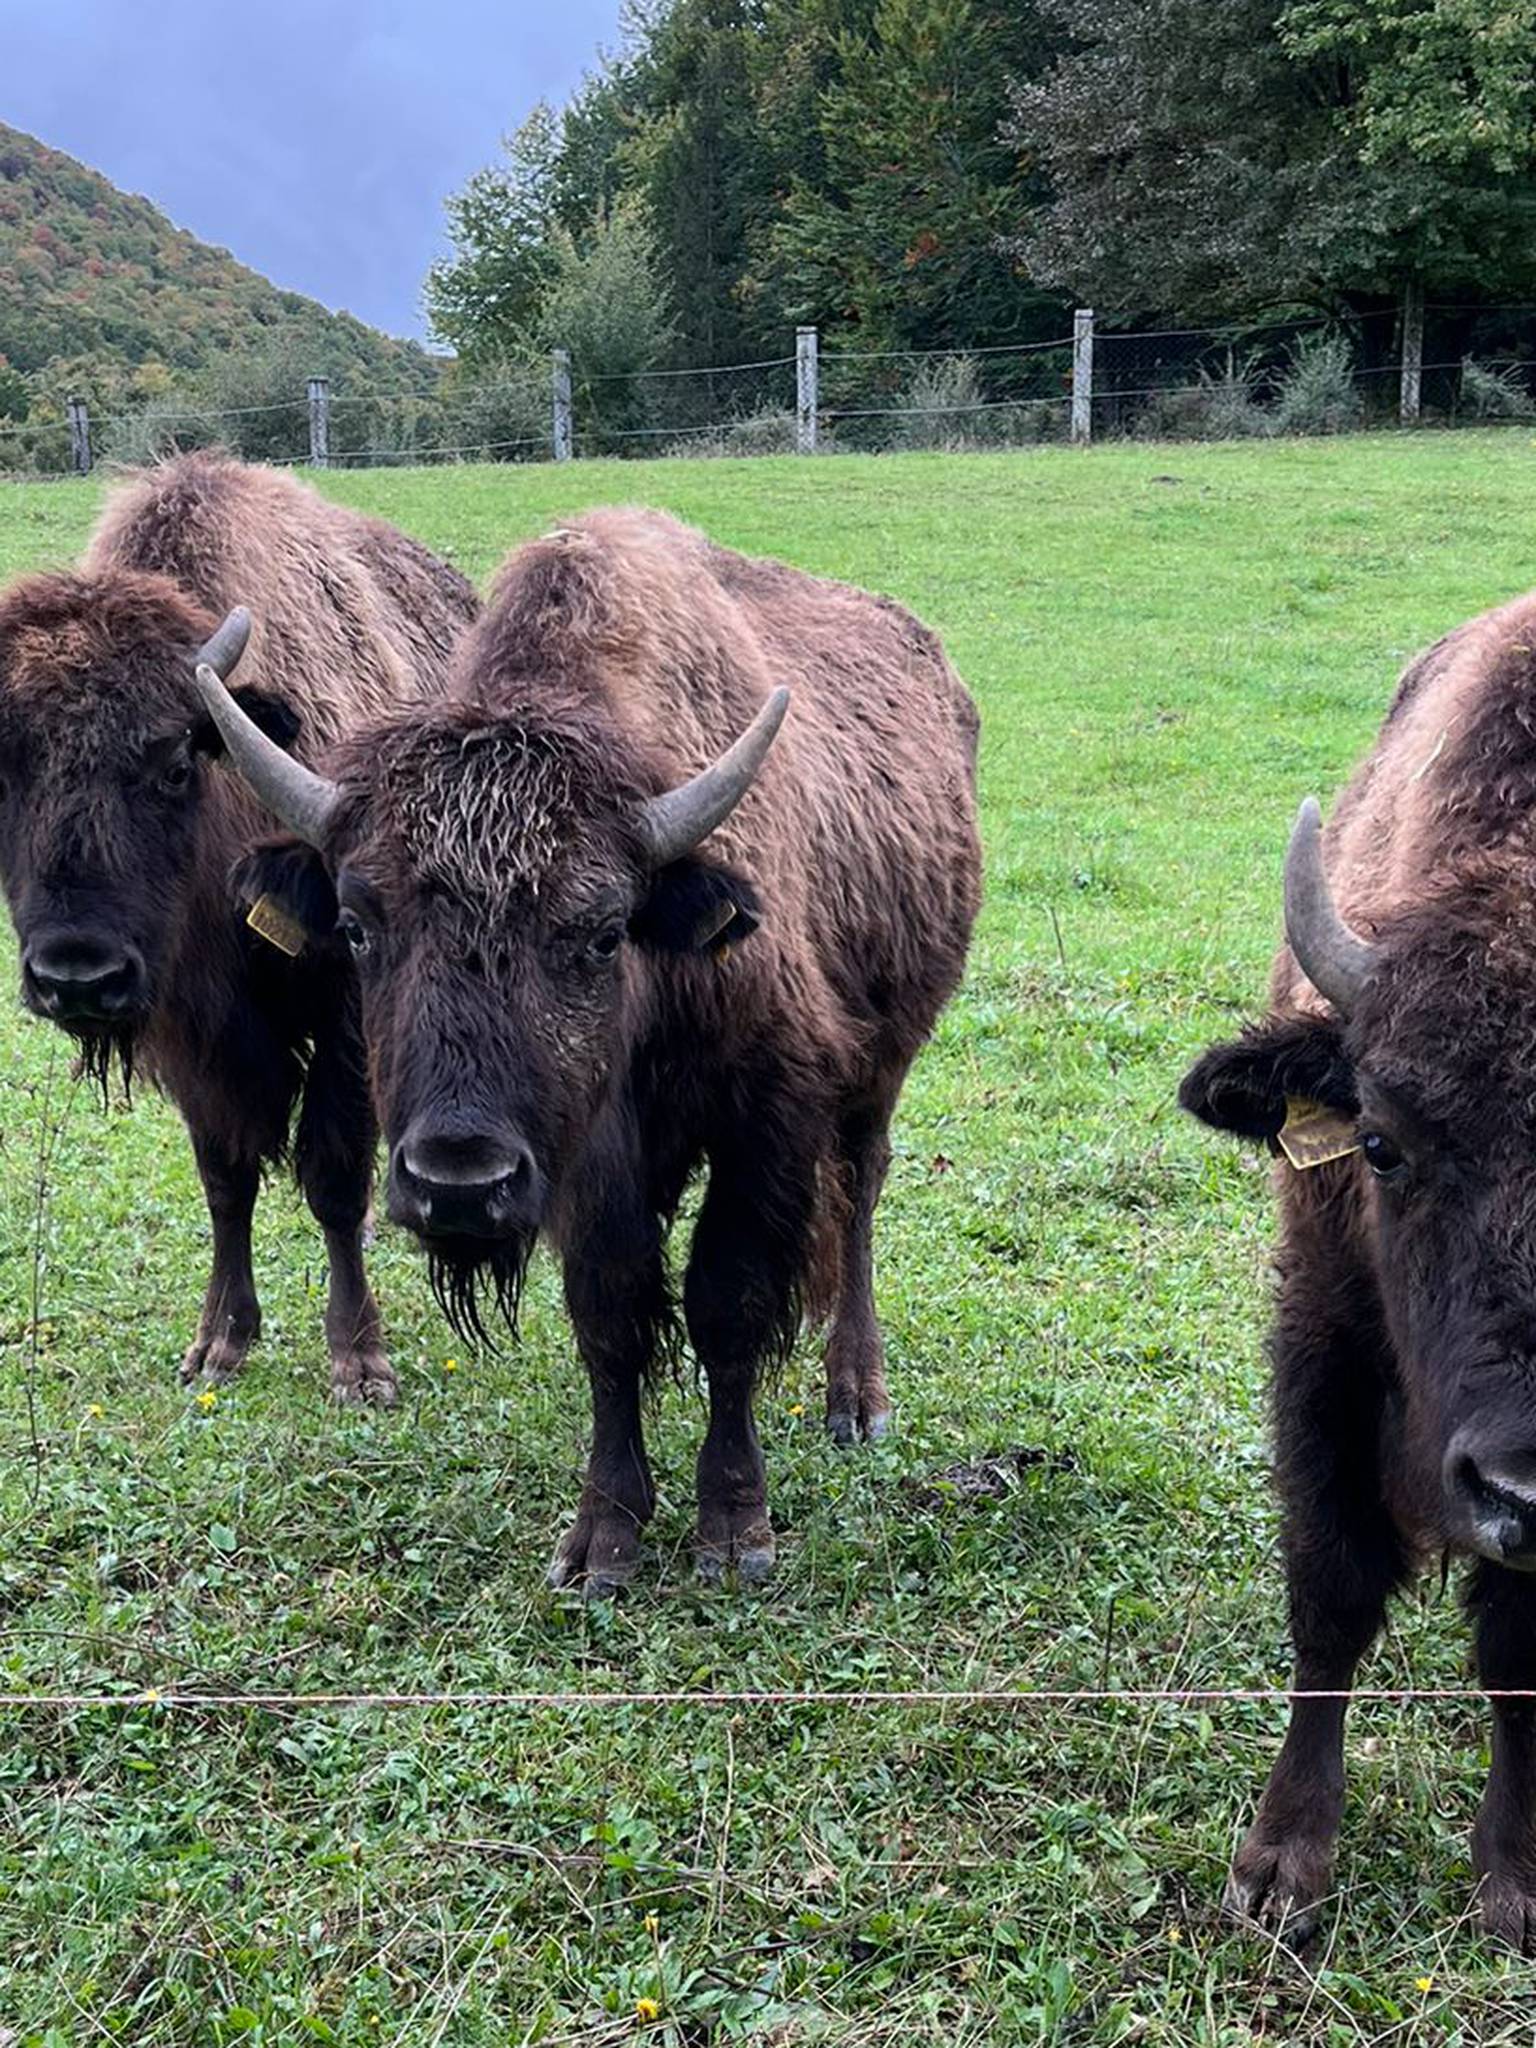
461, 1271
100, 1047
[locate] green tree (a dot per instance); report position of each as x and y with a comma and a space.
607, 303
483, 296
903, 234
1223, 160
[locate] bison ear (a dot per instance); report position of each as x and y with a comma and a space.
1244, 1086
276, 717
694, 907
291, 882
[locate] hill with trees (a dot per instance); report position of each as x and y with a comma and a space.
101, 296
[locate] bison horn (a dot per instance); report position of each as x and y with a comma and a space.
226, 646
673, 824
1336, 960
302, 800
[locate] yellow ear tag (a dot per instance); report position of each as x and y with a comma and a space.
272, 923
1313, 1134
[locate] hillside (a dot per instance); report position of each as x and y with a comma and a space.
100, 293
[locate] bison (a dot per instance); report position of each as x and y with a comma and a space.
1397, 1069
608, 933
118, 835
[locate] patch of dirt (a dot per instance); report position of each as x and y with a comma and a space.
991, 1477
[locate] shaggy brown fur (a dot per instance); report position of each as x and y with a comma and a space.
1404, 1345
118, 833
488, 866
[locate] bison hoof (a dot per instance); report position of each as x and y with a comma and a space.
1508, 1909
749, 1552
363, 1377
1280, 1886
599, 1554
846, 1428
215, 1360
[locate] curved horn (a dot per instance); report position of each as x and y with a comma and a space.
302, 800
1336, 960
227, 644
673, 824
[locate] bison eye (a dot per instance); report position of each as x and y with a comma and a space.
604, 944
354, 931
176, 774
1383, 1157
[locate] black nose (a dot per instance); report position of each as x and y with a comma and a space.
82, 977
1491, 1491
455, 1183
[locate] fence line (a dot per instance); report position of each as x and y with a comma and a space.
1169, 382
172, 1700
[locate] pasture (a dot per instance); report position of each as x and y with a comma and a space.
1170, 647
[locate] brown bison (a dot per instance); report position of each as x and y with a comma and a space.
569, 1007
118, 837
1397, 1066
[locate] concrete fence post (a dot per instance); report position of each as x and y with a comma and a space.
1411, 390
1082, 376
79, 437
564, 436
806, 383
319, 422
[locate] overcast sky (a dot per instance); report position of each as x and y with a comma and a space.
315, 139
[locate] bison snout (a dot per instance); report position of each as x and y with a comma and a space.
82, 978
465, 1184
1491, 1490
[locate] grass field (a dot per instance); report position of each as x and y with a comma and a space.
1170, 648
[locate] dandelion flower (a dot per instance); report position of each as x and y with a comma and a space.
1175, 1937
647, 2009
652, 1923
95, 1411
450, 1365
1424, 1985
797, 1407
207, 1400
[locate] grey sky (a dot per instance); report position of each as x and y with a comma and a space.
315, 141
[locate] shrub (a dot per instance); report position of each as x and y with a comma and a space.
1489, 394
1316, 392
160, 427
769, 432
1213, 408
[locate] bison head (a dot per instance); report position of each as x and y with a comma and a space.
1429, 1064
102, 737
502, 879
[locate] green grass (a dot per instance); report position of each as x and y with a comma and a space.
1170, 647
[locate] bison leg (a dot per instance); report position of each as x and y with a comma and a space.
231, 1319
617, 1306
857, 1401
1343, 1558
1504, 1839
741, 1300
334, 1156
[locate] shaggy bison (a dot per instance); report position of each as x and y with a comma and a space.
569, 1006
118, 837
1397, 1067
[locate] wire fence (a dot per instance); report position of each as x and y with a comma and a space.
1009, 1699
1452, 365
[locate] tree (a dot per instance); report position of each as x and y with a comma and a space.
903, 235
606, 303
697, 156
1223, 160
483, 297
